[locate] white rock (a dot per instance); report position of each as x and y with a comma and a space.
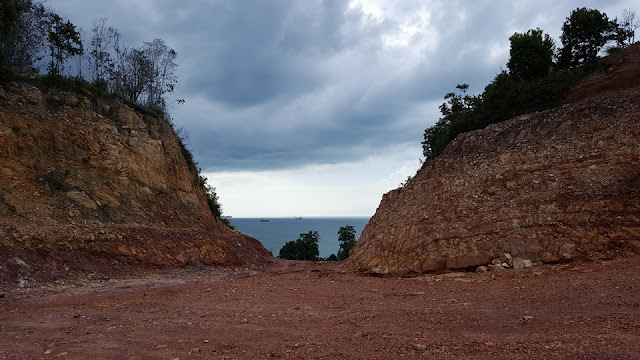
528, 263
518, 264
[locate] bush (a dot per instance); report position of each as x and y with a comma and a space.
304, 248
347, 239
504, 98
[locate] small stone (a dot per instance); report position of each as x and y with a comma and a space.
528, 263
296, 345
48, 352
481, 269
518, 264
206, 341
496, 267
566, 251
20, 262
82, 199
420, 347
508, 259
527, 318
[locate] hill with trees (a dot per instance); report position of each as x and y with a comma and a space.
94, 177
538, 78
506, 179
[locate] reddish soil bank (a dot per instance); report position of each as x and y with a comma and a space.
296, 310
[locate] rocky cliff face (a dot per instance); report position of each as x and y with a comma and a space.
94, 177
549, 186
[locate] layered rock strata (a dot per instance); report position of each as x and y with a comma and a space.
93, 176
548, 186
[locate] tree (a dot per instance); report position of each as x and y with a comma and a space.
347, 238
584, 33
332, 257
101, 41
531, 54
64, 41
304, 248
23, 25
629, 24
457, 107
164, 80
136, 73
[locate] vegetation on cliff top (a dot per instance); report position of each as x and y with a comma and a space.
538, 76
102, 66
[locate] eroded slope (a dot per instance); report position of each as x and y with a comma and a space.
94, 178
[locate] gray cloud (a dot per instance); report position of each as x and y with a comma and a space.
280, 84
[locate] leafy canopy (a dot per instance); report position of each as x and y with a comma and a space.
584, 33
304, 248
531, 54
347, 239
457, 107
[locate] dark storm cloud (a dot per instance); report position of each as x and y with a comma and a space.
279, 84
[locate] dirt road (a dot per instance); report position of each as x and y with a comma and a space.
298, 310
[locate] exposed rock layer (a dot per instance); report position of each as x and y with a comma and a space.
94, 176
549, 186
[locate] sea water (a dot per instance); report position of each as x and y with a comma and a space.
273, 234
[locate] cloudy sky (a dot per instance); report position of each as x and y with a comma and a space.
317, 108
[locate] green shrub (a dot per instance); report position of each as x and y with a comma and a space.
504, 98
304, 248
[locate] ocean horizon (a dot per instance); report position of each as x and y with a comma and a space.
273, 234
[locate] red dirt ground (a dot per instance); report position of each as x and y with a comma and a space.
298, 310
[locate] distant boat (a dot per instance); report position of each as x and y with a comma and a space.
264, 220
298, 217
